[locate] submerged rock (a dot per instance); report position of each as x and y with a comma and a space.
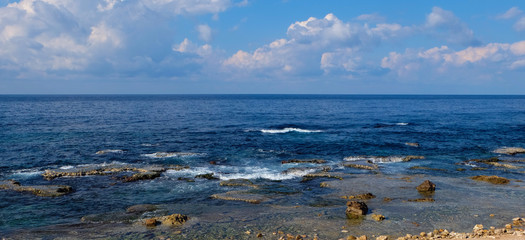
364, 196
426, 186
242, 196
412, 144
238, 183
422, 200
427, 168
106, 151
39, 190
315, 161
503, 165
356, 209
141, 208
510, 150
491, 179
412, 157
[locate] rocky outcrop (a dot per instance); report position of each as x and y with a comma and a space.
39, 190
426, 186
361, 166
491, 179
141, 176
412, 157
208, 176
311, 176
510, 150
356, 209
313, 161
108, 169
170, 220
106, 151
364, 196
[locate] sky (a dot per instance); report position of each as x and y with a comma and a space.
262, 47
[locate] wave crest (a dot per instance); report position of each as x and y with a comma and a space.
287, 130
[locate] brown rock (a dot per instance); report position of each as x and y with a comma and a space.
141, 176
39, 190
238, 183
361, 166
355, 208
151, 222
351, 238
364, 196
312, 176
382, 237
314, 161
421, 200
491, 179
174, 219
208, 176
412, 144
510, 150
378, 217
426, 186
362, 238
412, 157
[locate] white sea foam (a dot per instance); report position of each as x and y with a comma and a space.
106, 151
402, 124
376, 159
287, 130
149, 144
67, 167
229, 172
27, 173
170, 154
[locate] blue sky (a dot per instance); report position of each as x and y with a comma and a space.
262, 46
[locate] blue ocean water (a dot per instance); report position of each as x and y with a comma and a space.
247, 136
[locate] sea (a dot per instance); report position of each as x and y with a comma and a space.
248, 137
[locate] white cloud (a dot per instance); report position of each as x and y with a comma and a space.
204, 32
316, 46
444, 24
520, 24
511, 13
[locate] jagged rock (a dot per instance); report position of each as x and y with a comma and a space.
382, 237
503, 165
238, 183
240, 196
362, 238
312, 176
324, 185
141, 176
39, 190
208, 176
426, 186
518, 221
314, 161
355, 208
412, 144
364, 196
378, 217
141, 208
510, 150
170, 220
491, 179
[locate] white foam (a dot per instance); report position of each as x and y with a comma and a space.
170, 154
230, 172
375, 159
67, 167
149, 144
402, 124
287, 130
27, 173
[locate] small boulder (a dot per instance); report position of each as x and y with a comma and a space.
426, 186
378, 217
355, 208
150, 222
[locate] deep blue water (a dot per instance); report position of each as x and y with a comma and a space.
246, 135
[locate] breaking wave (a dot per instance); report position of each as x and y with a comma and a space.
287, 130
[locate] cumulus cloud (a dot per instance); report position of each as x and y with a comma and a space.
317, 46
497, 57
444, 24
99, 37
511, 13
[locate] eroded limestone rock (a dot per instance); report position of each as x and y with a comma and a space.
39, 190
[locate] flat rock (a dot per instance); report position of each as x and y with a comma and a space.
39, 190
412, 144
208, 176
238, 183
491, 179
510, 150
364, 196
312, 176
141, 176
361, 166
99, 170
242, 196
141, 208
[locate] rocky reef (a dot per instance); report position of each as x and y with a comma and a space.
491, 179
39, 190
